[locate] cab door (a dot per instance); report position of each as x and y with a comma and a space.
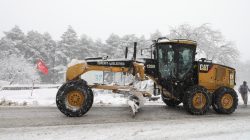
166, 61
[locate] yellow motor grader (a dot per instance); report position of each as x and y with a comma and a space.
178, 77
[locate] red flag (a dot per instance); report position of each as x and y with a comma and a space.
42, 67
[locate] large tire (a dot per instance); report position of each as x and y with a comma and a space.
225, 100
74, 98
170, 102
197, 100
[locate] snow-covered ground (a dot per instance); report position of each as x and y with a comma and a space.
195, 128
231, 127
46, 97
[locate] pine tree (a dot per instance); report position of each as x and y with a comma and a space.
86, 48
18, 70
15, 34
68, 45
14, 40
155, 35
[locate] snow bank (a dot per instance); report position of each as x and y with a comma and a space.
103, 97
47, 97
3, 83
41, 97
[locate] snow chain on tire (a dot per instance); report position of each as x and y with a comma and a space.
189, 99
86, 94
218, 96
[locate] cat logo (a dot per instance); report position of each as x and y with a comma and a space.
204, 67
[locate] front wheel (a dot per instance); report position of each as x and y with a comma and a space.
74, 98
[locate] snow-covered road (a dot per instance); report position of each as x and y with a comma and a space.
153, 122
26, 116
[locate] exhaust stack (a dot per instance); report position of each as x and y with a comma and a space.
134, 55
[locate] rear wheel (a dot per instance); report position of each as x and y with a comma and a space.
74, 98
197, 100
225, 100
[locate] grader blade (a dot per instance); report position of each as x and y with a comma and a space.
134, 106
135, 101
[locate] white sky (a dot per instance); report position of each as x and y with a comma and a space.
100, 18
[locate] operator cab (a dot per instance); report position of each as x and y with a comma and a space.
175, 58
175, 64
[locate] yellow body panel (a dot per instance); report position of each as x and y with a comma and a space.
216, 77
139, 69
77, 70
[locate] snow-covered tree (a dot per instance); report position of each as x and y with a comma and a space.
16, 69
40, 46
155, 35
65, 51
7, 47
144, 47
33, 47
15, 34
13, 41
86, 47
116, 45
113, 43
113, 40
48, 55
67, 46
211, 43
100, 49
127, 41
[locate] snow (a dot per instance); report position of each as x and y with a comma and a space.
2, 83
60, 67
107, 98
208, 128
31, 85
192, 128
75, 62
41, 97
46, 95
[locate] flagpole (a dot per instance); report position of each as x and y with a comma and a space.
33, 80
53, 72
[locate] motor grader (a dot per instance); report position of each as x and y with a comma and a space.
178, 77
